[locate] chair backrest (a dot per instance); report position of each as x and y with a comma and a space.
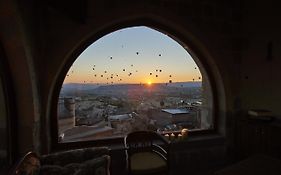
139, 141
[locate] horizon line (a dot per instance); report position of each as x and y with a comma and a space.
133, 83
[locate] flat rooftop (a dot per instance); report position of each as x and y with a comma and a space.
80, 132
176, 111
120, 117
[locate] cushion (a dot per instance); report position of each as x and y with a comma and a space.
96, 166
144, 161
73, 156
52, 170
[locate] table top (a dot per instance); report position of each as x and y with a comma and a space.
257, 165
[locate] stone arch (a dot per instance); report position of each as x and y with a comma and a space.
187, 38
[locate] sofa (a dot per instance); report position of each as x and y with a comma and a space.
94, 161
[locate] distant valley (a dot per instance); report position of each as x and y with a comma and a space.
80, 89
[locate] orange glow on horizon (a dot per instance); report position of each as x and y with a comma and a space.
142, 80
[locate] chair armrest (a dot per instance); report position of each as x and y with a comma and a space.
160, 151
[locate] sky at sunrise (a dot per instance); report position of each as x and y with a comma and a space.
134, 55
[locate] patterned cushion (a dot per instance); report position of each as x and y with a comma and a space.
52, 170
97, 166
73, 156
76, 162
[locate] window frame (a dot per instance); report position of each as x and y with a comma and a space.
192, 50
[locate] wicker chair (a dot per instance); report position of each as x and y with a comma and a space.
147, 153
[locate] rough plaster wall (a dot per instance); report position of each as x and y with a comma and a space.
260, 75
3, 120
11, 38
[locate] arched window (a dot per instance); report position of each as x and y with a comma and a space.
133, 79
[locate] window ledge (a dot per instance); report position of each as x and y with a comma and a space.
192, 141
199, 141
